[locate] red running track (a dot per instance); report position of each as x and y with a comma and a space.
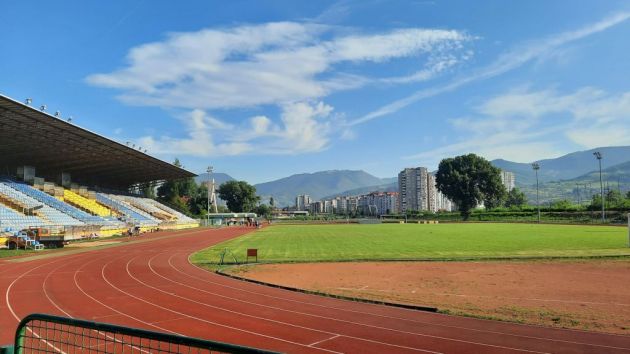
150, 284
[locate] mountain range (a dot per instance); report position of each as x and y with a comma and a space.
565, 177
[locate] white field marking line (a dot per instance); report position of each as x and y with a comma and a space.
258, 317
69, 315
76, 283
400, 318
197, 318
355, 323
6, 297
535, 299
324, 340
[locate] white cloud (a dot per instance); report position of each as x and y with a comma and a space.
304, 127
510, 60
286, 64
525, 125
270, 63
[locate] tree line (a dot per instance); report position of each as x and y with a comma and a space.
190, 198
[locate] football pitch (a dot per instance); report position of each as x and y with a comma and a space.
465, 241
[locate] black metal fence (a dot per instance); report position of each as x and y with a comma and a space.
40, 333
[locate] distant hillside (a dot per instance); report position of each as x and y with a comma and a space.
317, 185
566, 167
582, 187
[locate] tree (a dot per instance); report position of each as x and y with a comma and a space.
263, 210
468, 180
272, 202
198, 204
515, 198
178, 193
240, 196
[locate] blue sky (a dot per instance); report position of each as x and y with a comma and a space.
265, 89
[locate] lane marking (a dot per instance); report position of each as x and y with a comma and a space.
360, 324
412, 320
192, 317
68, 314
262, 318
324, 340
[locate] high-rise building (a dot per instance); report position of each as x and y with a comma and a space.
302, 202
432, 203
412, 189
508, 179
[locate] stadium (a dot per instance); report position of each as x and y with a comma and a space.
63, 184
73, 183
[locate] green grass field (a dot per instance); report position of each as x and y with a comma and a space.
304, 243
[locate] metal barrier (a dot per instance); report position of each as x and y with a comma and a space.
40, 333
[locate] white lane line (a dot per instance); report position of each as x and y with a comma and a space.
408, 319
69, 315
8, 301
196, 318
357, 323
258, 317
76, 283
324, 340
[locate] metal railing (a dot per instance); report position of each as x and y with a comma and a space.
41, 333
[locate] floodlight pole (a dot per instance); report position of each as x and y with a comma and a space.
209, 170
598, 156
536, 167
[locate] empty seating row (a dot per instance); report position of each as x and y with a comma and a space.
181, 218
147, 207
14, 220
86, 204
130, 213
52, 202
49, 214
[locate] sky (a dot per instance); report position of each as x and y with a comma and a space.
266, 89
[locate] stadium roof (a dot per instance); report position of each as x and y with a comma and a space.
30, 137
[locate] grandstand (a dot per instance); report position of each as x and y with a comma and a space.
57, 175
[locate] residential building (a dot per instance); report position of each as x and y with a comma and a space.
508, 179
302, 202
413, 189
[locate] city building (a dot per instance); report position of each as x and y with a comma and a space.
302, 202
412, 188
508, 179
379, 203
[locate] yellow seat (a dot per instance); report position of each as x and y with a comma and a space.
89, 205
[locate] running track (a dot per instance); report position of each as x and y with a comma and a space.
150, 284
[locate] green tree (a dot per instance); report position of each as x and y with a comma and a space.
468, 180
148, 190
178, 193
272, 202
614, 199
563, 205
263, 210
240, 196
198, 204
515, 199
